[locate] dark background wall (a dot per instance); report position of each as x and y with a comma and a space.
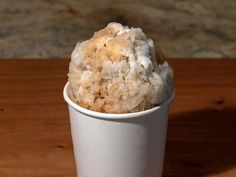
181, 28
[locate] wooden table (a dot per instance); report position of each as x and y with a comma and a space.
34, 126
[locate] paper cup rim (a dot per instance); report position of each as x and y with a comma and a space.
112, 115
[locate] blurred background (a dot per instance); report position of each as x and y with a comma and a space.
181, 28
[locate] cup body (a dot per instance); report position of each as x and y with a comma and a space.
118, 145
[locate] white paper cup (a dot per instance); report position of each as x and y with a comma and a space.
118, 145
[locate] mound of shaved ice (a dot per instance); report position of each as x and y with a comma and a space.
116, 71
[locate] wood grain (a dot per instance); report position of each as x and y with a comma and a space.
34, 126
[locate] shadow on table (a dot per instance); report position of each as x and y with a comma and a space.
201, 143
